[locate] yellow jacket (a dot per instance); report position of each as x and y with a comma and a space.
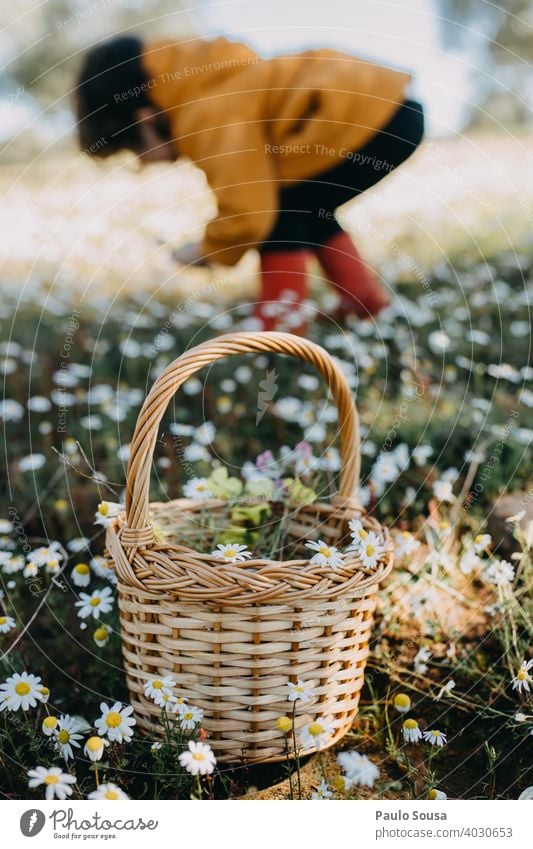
254, 125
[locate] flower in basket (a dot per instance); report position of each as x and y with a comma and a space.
190, 717
231, 552
370, 550
197, 488
326, 555
222, 486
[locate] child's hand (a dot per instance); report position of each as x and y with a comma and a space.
189, 254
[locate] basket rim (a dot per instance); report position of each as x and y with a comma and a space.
183, 572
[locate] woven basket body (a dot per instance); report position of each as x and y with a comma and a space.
233, 635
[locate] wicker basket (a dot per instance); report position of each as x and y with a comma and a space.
233, 635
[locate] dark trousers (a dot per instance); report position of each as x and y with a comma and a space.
307, 210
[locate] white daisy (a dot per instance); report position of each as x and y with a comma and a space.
116, 722
49, 725
316, 734
95, 747
326, 555
322, 791
190, 717
197, 488
156, 688
108, 791
358, 769
299, 692
57, 783
434, 737
81, 575
198, 759
371, 551
469, 561
406, 544
47, 554
20, 691
500, 572
482, 542
437, 795
101, 635
102, 569
100, 601
67, 731
6, 624
232, 552
11, 563
106, 512
522, 679
411, 731
443, 491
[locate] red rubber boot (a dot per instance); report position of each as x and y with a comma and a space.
359, 289
283, 290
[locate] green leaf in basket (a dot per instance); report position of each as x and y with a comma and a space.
261, 488
233, 533
298, 493
222, 486
251, 515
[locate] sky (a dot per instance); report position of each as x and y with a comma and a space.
404, 34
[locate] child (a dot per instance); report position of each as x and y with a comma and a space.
283, 142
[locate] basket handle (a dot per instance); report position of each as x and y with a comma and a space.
191, 361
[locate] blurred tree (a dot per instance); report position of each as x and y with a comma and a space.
498, 41
41, 43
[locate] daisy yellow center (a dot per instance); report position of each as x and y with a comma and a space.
157, 685
478, 538
63, 736
201, 487
444, 526
410, 724
370, 549
82, 569
113, 719
111, 794
299, 689
94, 602
325, 551
199, 756
230, 552
94, 744
50, 722
22, 689
100, 634
402, 700
103, 508
522, 675
3, 620
432, 794
406, 534
44, 691
362, 533
53, 564
51, 779
187, 715
436, 733
316, 729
